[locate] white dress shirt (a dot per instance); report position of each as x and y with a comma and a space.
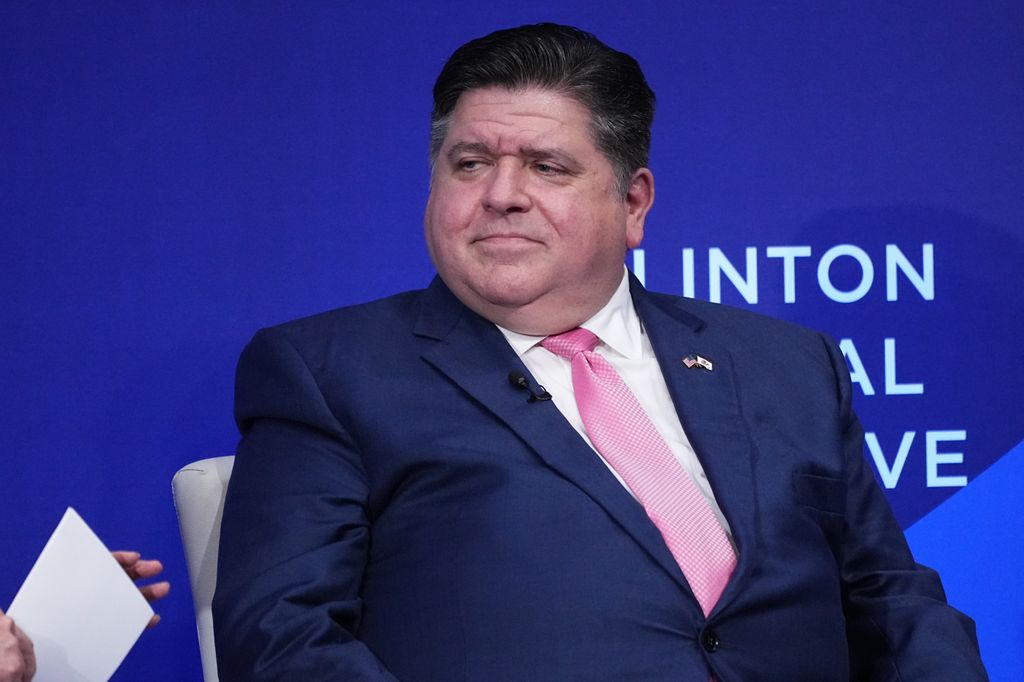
624, 344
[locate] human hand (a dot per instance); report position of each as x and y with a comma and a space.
137, 569
17, 657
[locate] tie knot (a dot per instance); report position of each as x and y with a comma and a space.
568, 344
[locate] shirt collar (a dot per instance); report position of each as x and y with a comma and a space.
616, 324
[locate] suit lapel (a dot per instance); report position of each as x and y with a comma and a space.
708, 407
474, 354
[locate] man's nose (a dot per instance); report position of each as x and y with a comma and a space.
506, 192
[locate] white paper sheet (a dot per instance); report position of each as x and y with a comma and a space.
81, 611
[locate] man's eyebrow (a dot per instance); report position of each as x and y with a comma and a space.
467, 148
551, 154
534, 153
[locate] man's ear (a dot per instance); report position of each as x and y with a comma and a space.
639, 198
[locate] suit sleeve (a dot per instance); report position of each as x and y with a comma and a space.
295, 531
899, 625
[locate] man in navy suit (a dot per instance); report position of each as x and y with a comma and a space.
419, 495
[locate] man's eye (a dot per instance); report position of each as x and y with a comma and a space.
468, 164
547, 169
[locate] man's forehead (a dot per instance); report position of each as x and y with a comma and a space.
534, 118
529, 101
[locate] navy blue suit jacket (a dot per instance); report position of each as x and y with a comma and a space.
399, 510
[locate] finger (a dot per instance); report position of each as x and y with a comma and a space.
12, 662
9, 645
155, 591
153, 621
7, 627
128, 561
147, 568
28, 652
126, 558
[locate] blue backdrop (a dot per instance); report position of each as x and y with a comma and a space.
177, 175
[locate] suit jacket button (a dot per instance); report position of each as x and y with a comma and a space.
709, 640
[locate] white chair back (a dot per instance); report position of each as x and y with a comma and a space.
199, 500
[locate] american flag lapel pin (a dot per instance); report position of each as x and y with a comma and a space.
694, 360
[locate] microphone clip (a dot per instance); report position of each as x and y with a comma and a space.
519, 381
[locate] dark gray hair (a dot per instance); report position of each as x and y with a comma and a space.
566, 60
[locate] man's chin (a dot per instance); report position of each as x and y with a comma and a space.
509, 298
504, 294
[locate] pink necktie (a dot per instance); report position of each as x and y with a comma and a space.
624, 435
